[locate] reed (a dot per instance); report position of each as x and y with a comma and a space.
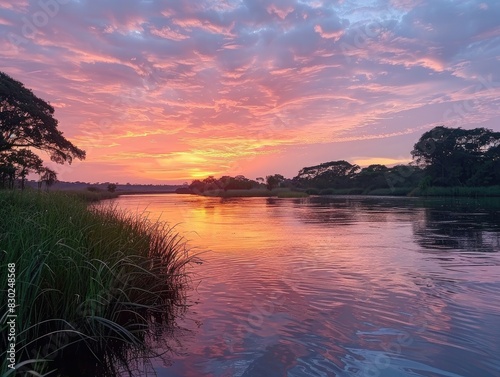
89, 279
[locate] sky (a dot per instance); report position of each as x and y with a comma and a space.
169, 91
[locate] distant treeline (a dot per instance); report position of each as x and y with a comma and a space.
106, 186
442, 157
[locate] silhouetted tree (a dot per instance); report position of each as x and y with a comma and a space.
197, 186
328, 174
273, 181
112, 187
225, 182
23, 161
7, 175
47, 176
371, 177
27, 121
454, 156
239, 183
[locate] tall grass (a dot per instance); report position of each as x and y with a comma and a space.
487, 191
88, 280
395, 191
92, 196
292, 194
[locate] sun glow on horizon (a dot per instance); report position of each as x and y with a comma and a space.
367, 161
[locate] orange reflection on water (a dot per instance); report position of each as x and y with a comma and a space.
289, 284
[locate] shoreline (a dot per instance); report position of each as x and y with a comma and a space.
445, 192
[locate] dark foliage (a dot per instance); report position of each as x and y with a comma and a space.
458, 157
333, 174
27, 121
224, 183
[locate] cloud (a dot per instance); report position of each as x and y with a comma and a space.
227, 82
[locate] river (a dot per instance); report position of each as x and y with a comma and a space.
336, 286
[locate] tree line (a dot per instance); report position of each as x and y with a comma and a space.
227, 182
442, 157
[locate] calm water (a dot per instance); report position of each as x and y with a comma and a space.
337, 286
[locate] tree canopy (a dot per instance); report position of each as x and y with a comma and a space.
27, 121
459, 157
274, 181
328, 174
224, 183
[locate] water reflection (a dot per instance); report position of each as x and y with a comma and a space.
338, 286
459, 230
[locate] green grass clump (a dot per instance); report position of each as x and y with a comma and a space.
92, 196
89, 280
488, 191
293, 194
396, 191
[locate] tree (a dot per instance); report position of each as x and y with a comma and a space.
112, 187
454, 156
197, 186
27, 121
273, 181
239, 182
328, 174
47, 176
23, 161
226, 182
7, 175
371, 177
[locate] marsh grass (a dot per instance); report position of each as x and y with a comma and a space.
292, 194
92, 283
487, 191
395, 191
92, 196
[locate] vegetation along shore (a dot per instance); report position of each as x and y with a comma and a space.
446, 162
90, 281
87, 284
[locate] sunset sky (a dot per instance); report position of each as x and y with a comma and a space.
167, 91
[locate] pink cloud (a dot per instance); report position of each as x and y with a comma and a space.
170, 90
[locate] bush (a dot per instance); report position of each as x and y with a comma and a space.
326, 192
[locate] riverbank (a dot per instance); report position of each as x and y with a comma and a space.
88, 281
488, 191
255, 193
491, 191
